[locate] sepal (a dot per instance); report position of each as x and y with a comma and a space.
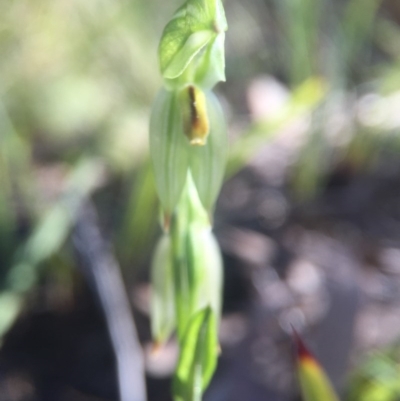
168, 149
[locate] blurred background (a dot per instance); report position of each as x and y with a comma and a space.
308, 218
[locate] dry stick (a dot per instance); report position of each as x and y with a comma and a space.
103, 273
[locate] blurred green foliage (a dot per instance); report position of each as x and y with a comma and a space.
76, 84
377, 377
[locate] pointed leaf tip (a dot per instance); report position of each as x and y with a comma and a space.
302, 351
314, 383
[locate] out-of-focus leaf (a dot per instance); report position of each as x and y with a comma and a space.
46, 239
356, 26
10, 306
52, 229
314, 384
162, 304
300, 20
139, 222
377, 377
304, 100
198, 357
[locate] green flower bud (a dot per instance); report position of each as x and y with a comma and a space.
197, 262
163, 319
198, 357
